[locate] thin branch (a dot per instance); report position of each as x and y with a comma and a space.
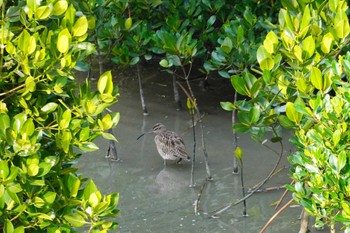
276, 215
199, 195
222, 209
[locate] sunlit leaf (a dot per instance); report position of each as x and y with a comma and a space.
80, 26
88, 146
228, 106
308, 46
327, 42
238, 152
63, 41
60, 7
316, 78
49, 107
292, 114
105, 83
42, 12
76, 220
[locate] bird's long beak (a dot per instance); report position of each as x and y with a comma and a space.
140, 136
144, 134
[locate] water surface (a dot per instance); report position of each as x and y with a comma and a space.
158, 199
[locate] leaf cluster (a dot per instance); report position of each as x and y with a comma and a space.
46, 118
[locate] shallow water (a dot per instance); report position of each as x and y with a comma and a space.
158, 199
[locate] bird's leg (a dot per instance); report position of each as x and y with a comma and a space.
179, 161
164, 162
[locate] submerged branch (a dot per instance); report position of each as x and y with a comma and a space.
232, 204
193, 102
276, 215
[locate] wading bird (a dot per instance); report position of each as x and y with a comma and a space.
169, 144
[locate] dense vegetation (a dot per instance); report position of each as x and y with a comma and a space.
287, 58
46, 118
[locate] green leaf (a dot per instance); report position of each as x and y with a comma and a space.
88, 146
30, 84
80, 26
164, 63
93, 199
19, 120
42, 12
49, 107
66, 118
308, 46
33, 169
305, 21
76, 220
292, 114
239, 85
327, 42
59, 7
316, 78
264, 59
108, 136
89, 189
298, 53
226, 45
63, 41
254, 114
49, 197
4, 169
341, 160
84, 134
238, 152
128, 23
270, 42
72, 184
28, 127
105, 83
228, 106
19, 229
8, 226
342, 28
4, 124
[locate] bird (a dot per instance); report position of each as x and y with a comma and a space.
170, 145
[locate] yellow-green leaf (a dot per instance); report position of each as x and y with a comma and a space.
42, 12
63, 41
292, 114
60, 7
105, 83
80, 26
298, 53
316, 78
76, 220
327, 42
270, 42
308, 46
238, 152
128, 23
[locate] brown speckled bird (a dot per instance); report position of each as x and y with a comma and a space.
169, 144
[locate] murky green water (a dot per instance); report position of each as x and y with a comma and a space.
157, 199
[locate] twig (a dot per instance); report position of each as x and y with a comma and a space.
235, 165
243, 190
283, 196
194, 149
199, 195
191, 98
143, 103
275, 215
222, 209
